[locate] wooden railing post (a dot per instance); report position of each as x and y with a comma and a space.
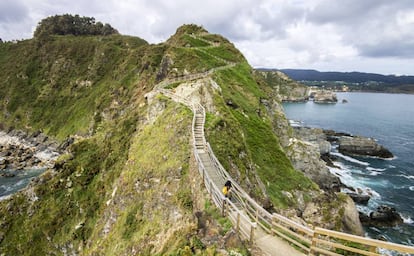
223, 209
314, 243
252, 228
238, 222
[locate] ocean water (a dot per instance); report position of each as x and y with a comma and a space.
389, 118
21, 178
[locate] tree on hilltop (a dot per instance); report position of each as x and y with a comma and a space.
72, 25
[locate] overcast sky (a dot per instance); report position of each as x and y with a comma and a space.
328, 35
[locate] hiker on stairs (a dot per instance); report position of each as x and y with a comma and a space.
226, 189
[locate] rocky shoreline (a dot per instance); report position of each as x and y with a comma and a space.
348, 144
19, 151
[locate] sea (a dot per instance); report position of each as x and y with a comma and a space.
389, 119
12, 181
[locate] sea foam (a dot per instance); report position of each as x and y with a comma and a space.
349, 159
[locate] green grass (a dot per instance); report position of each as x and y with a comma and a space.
242, 137
63, 82
194, 42
227, 52
95, 87
193, 60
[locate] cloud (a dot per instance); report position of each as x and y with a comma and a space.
271, 33
14, 20
375, 28
12, 11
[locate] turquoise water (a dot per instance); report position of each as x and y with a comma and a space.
389, 118
21, 178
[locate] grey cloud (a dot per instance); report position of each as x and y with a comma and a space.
12, 11
343, 12
400, 49
371, 26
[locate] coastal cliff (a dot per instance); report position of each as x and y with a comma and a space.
127, 183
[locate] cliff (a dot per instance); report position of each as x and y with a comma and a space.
127, 184
288, 90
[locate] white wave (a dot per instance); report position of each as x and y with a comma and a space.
6, 188
412, 188
4, 197
345, 175
19, 183
375, 169
410, 177
407, 220
295, 123
349, 159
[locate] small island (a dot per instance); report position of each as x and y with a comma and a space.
324, 97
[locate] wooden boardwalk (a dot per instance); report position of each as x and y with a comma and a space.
273, 234
214, 179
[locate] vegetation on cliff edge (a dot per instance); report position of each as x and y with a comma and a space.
123, 187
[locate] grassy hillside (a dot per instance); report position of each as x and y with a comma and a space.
60, 86
128, 185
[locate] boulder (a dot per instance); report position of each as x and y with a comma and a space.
384, 216
325, 97
350, 219
357, 145
359, 198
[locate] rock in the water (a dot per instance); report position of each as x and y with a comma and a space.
359, 198
357, 145
325, 97
383, 216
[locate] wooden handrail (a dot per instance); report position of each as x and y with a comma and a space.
363, 241
311, 241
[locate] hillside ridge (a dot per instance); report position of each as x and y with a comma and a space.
127, 184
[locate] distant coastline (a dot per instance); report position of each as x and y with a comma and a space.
352, 81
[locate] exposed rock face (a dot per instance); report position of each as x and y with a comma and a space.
362, 146
325, 97
19, 150
383, 216
305, 156
350, 219
316, 136
297, 94
359, 198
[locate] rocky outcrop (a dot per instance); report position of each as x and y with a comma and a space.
350, 219
296, 94
316, 136
384, 216
19, 150
357, 145
17, 157
359, 198
325, 97
305, 157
